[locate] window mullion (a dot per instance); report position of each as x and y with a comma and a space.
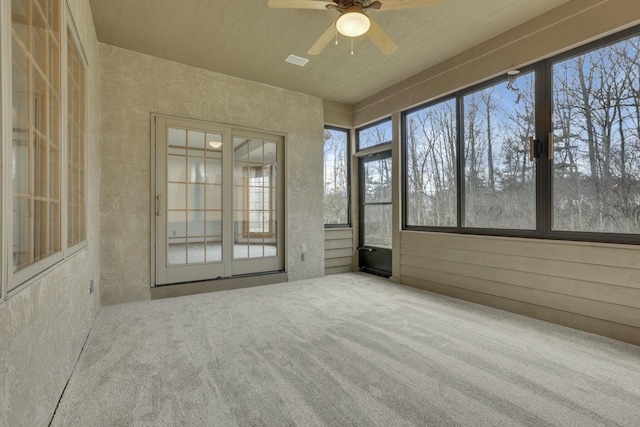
460, 173
543, 126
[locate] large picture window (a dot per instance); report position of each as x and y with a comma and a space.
552, 151
596, 156
336, 177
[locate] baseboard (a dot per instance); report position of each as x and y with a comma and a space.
182, 289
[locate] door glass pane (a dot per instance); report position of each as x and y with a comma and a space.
194, 209
214, 145
177, 168
377, 225
196, 252
195, 169
177, 196
176, 251
377, 181
499, 187
177, 141
195, 224
196, 143
596, 132
255, 167
213, 171
176, 224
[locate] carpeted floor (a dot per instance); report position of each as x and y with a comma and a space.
345, 350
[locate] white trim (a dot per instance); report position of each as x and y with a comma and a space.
64, 112
152, 201
76, 35
5, 137
23, 278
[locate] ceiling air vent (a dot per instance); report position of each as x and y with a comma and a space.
296, 60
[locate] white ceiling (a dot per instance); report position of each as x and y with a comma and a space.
246, 39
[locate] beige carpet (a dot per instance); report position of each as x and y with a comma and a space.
346, 350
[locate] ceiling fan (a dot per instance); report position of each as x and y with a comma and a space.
353, 20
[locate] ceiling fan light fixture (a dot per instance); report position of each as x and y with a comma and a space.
353, 22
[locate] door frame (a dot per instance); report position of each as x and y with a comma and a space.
372, 254
281, 187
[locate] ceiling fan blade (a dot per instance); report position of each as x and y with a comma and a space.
380, 38
324, 40
300, 4
405, 4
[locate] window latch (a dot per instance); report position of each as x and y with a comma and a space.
538, 148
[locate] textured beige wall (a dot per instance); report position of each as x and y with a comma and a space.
44, 324
132, 87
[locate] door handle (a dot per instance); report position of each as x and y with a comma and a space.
158, 205
365, 249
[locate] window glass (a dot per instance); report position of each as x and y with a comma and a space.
336, 177
378, 134
76, 143
596, 156
376, 202
431, 140
499, 186
36, 132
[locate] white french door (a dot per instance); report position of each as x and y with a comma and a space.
218, 201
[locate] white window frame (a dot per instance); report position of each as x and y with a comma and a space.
14, 282
70, 25
5, 135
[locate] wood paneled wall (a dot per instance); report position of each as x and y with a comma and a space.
338, 250
590, 286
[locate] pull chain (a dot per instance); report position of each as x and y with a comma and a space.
351, 46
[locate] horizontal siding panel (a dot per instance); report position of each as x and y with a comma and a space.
601, 310
338, 233
627, 256
338, 253
613, 330
338, 244
598, 273
584, 289
337, 270
338, 262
